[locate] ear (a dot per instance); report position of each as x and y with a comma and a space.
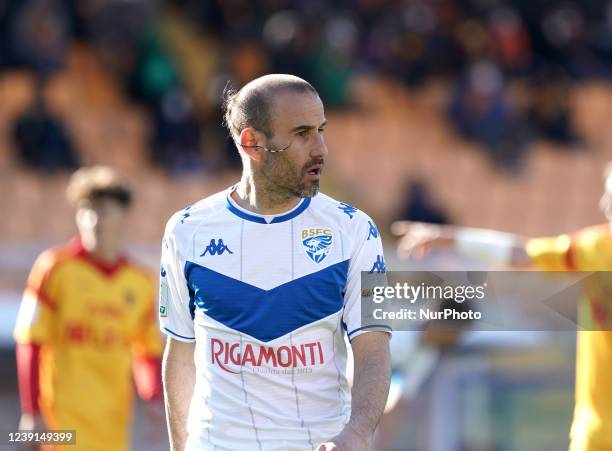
249, 138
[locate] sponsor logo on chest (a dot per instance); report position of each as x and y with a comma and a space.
231, 356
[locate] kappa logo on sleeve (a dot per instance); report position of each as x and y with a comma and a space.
185, 214
317, 242
373, 231
348, 209
379, 265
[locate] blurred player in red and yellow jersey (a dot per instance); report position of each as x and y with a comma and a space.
589, 249
87, 323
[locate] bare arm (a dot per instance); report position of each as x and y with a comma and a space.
178, 372
371, 381
491, 245
369, 394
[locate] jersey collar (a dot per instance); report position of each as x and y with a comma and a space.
264, 219
107, 269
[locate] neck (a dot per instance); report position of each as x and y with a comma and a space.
252, 195
106, 254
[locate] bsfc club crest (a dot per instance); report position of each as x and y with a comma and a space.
317, 242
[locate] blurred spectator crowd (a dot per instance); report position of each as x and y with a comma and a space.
509, 65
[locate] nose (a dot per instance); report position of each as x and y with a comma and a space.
319, 149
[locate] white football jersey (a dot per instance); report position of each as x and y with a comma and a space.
267, 300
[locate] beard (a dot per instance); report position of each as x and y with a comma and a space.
285, 179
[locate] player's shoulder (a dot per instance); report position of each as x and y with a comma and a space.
599, 231
55, 256
597, 239
188, 218
345, 212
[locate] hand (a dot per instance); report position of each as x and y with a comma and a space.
417, 238
347, 440
31, 422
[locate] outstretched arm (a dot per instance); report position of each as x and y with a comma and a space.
418, 238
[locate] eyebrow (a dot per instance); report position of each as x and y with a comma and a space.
307, 127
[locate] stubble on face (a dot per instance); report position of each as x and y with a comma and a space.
285, 174
285, 180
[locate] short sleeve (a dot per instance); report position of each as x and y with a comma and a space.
38, 310
588, 249
175, 307
147, 340
366, 255
550, 253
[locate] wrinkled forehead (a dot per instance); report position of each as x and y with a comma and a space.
291, 109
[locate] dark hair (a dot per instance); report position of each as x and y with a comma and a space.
119, 194
98, 182
251, 105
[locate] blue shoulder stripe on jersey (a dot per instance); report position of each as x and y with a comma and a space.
177, 335
371, 326
267, 314
260, 220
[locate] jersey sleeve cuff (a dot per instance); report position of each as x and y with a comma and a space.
177, 336
371, 328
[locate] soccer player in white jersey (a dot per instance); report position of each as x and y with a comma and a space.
259, 285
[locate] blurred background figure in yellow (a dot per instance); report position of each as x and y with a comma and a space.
87, 319
588, 249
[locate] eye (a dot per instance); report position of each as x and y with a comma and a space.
322, 129
303, 132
